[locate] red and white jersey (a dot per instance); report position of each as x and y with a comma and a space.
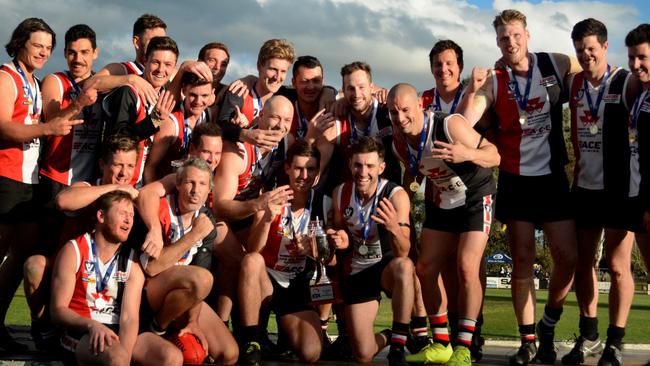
587, 130
429, 101
19, 160
183, 130
132, 68
450, 190
173, 229
71, 158
280, 252
524, 148
103, 307
345, 136
249, 181
252, 106
144, 146
345, 197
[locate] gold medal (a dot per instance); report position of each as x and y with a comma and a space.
593, 129
632, 138
414, 186
523, 118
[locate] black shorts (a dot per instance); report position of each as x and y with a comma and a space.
537, 199
473, 216
239, 225
365, 286
51, 227
292, 299
18, 201
595, 208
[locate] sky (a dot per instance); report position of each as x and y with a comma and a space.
393, 36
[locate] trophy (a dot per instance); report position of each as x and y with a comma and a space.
322, 290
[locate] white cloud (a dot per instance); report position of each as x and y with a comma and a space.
394, 36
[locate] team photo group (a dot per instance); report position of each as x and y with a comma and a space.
157, 216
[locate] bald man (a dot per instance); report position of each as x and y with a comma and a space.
458, 164
245, 183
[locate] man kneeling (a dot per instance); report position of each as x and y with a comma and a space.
96, 287
276, 271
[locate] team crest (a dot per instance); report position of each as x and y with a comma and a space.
348, 212
512, 85
580, 94
89, 266
26, 92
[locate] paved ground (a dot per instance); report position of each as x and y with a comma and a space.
495, 353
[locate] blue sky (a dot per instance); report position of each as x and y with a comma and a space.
393, 36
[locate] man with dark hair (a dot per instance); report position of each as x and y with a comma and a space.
446, 62
366, 117
70, 158
127, 113
606, 174
374, 213
279, 265
458, 212
206, 144
117, 74
21, 129
309, 121
528, 108
146, 27
172, 141
217, 56
179, 278
96, 288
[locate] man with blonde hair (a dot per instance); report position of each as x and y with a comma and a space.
525, 92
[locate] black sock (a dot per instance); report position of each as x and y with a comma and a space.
527, 333
615, 336
588, 327
453, 326
399, 332
418, 326
251, 333
549, 319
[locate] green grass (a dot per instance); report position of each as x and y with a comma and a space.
499, 317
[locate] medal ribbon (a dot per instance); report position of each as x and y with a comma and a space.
266, 169
636, 108
303, 219
77, 89
33, 94
303, 124
187, 130
101, 282
601, 91
454, 104
522, 100
414, 163
258, 103
366, 132
181, 228
366, 223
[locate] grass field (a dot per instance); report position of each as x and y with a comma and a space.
500, 320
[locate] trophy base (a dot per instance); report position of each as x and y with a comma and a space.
324, 293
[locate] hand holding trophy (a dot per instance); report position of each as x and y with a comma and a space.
322, 290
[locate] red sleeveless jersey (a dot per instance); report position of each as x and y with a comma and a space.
71, 158
19, 160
